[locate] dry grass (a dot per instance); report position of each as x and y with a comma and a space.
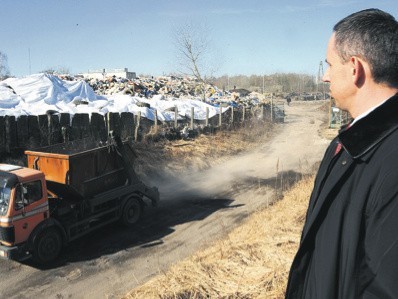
251, 262
329, 133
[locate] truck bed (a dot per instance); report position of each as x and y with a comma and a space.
82, 167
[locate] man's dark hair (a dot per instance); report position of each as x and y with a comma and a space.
372, 35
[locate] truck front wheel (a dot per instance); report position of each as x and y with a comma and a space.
132, 212
47, 247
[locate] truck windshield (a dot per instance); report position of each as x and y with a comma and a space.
7, 182
5, 193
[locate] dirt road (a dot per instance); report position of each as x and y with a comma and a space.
196, 208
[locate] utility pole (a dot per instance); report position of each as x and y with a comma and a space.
272, 107
30, 67
319, 79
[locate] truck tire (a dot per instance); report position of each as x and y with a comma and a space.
47, 246
132, 212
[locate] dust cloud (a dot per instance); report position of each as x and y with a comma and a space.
291, 153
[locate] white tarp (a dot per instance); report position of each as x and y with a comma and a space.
37, 94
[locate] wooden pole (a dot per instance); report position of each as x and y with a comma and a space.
220, 117
156, 121
175, 116
50, 128
192, 116
137, 127
108, 122
207, 116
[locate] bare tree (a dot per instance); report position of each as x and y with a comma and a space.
4, 70
193, 47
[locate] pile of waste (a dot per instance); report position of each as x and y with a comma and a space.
174, 87
147, 87
40, 93
48, 94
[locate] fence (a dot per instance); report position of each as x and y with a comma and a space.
337, 118
29, 132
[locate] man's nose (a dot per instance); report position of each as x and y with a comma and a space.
325, 77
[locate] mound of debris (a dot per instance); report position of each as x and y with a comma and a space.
43, 93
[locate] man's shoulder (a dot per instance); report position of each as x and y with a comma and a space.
387, 151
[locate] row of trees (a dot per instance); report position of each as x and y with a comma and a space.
279, 82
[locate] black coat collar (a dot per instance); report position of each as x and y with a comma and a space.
370, 130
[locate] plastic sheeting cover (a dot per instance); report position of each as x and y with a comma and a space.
37, 94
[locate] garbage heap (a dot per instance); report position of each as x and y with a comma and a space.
175, 87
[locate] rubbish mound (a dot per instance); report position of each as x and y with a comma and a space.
41, 94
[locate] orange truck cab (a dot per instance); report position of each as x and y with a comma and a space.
23, 207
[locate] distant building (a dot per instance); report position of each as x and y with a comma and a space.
106, 73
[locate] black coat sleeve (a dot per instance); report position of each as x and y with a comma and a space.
381, 240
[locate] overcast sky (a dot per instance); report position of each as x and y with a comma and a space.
248, 36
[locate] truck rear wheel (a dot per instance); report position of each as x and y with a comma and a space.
48, 245
132, 212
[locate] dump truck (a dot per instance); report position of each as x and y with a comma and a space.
66, 191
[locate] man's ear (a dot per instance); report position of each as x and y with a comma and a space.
358, 71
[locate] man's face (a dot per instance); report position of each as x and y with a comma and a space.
339, 75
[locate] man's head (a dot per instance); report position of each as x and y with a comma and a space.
363, 56
372, 35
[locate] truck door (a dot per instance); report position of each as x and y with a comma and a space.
30, 208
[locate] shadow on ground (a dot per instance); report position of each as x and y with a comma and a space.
156, 224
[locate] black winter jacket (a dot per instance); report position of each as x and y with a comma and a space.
349, 244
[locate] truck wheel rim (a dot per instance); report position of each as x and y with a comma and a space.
49, 247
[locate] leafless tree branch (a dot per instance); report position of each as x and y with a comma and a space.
192, 44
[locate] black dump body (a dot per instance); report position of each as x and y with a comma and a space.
85, 168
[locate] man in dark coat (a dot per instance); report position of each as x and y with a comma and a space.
349, 243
